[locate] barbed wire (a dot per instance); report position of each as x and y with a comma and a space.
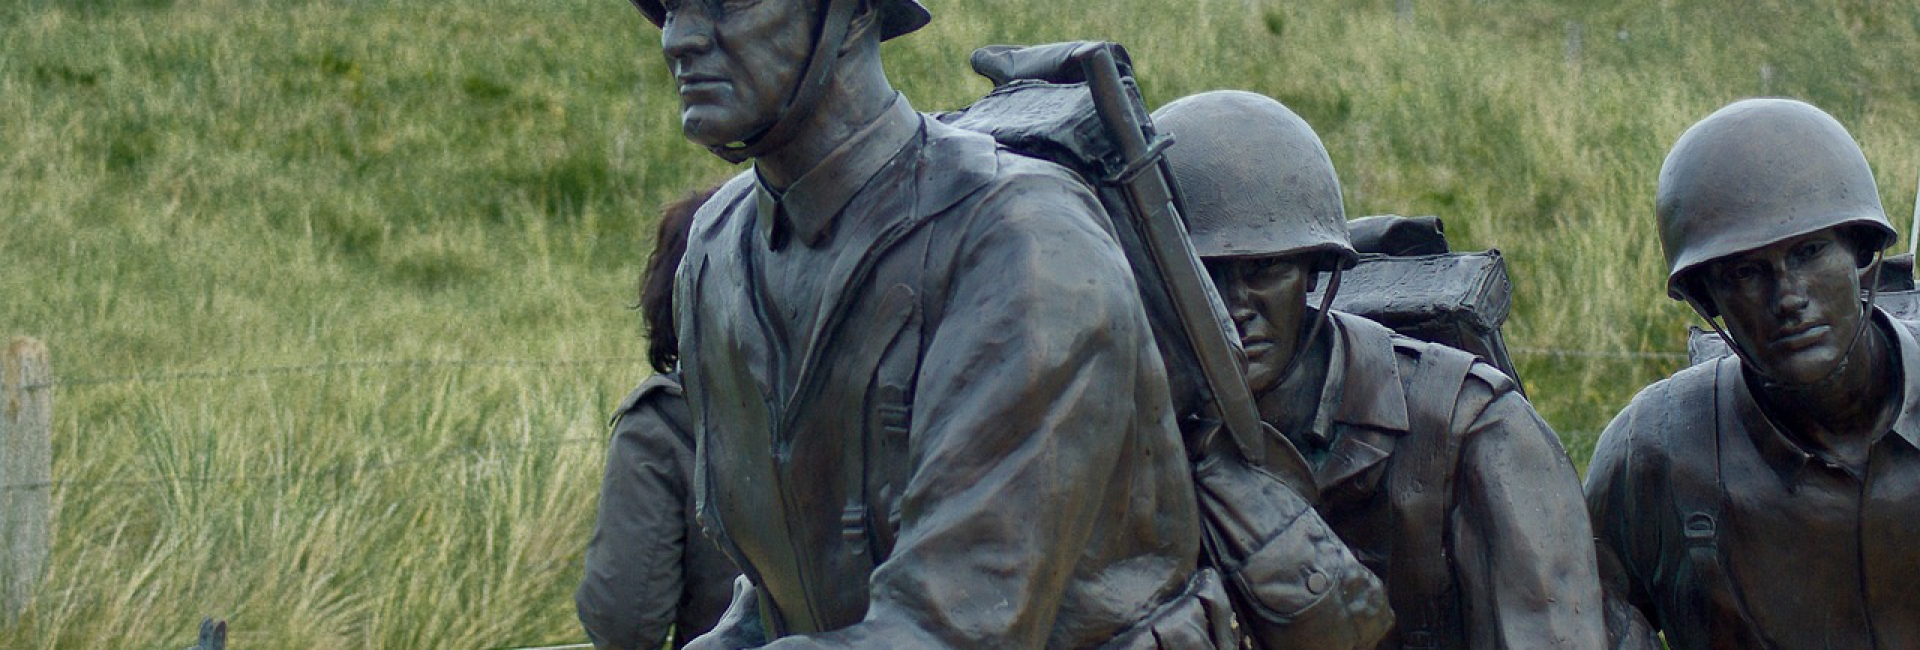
1600, 354
329, 366
403, 364
374, 465
363, 466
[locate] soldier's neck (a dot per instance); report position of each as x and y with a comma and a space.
1845, 415
858, 93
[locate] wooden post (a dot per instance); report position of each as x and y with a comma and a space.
26, 470
1576, 40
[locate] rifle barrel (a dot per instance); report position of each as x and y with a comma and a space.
1145, 178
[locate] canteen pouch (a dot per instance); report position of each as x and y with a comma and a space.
1292, 581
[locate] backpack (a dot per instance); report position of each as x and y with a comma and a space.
1292, 582
1409, 280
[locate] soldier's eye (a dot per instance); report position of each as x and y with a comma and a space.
1740, 272
1270, 272
1809, 250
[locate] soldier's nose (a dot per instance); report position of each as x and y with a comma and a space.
1242, 313
686, 35
1790, 297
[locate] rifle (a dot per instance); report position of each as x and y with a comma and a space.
1290, 580
1153, 207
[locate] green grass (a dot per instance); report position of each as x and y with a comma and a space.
207, 185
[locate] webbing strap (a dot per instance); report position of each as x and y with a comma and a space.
1421, 586
1695, 428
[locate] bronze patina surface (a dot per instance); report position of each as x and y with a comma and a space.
1769, 498
929, 411
1429, 464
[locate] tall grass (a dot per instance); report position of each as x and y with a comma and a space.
206, 185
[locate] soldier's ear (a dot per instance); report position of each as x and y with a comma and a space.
1704, 298
865, 23
1694, 287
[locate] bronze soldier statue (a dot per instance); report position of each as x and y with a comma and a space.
1430, 466
649, 570
1771, 498
929, 411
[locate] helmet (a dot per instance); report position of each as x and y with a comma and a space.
1255, 180
1757, 172
897, 17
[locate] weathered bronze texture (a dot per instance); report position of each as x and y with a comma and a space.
928, 406
1429, 464
1756, 172
1245, 188
1769, 498
1292, 583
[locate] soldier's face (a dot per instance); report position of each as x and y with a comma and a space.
1793, 306
734, 62
1267, 298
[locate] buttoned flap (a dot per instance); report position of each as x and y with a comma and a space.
1293, 582
1353, 466
1304, 589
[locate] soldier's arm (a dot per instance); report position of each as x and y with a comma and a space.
1025, 401
1613, 508
1520, 534
633, 579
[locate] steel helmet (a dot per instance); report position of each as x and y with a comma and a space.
1757, 172
1255, 179
897, 17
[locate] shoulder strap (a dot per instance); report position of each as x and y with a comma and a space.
1694, 430
880, 453
889, 427
1421, 585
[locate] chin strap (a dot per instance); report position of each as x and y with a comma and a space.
1846, 356
838, 19
1320, 319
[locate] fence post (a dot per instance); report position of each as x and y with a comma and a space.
26, 469
1576, 40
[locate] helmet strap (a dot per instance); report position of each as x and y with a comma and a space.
1320, 319
814, 79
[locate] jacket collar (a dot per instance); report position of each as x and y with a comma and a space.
809, 208
938, 167
1372, 394
1907, 423
1371, 407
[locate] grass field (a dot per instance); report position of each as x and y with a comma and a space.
212, 186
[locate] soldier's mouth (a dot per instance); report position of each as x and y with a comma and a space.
1801, 337
697, 84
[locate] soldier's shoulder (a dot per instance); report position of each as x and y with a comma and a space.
724, 201
1689, 389
1023, 178
950, 146
657, 387
1636, 434
1481, 379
